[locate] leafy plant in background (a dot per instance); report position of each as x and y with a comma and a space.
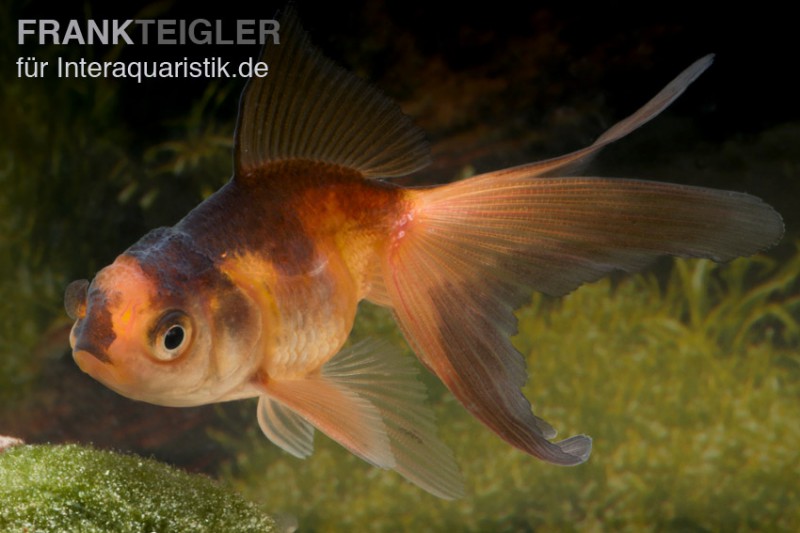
689, 388
54, 147
77, 191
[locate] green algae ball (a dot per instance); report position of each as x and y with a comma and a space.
73, 488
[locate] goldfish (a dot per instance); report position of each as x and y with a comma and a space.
255, 291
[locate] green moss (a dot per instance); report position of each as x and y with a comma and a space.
72, 488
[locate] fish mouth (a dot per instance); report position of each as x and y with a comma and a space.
97, 367
93, 331
86, 349
86, 342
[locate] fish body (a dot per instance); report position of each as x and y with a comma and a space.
319, 230
288, 255
254, 292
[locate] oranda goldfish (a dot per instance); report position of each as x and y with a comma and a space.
254, 292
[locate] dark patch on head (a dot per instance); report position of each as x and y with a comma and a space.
181, 267
262, 221
95, 332
171, 257
175, 263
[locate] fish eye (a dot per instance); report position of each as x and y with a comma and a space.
172, 336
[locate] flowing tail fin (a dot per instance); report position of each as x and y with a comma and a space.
467, 254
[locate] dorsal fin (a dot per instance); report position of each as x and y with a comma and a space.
309, 108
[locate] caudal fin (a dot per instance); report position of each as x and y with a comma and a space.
468, 254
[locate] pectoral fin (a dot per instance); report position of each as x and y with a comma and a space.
332, 408
285, 428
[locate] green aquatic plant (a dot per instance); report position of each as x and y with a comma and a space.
689, 388
77, 190
72, 488
54, 147
732, 308
690, 392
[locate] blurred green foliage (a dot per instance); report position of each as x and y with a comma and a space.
690, 389
71, 488
78, 189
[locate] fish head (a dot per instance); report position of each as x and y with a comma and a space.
149, 337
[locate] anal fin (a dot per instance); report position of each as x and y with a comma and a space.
367, 399
381, 375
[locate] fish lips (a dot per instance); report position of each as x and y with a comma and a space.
83, 349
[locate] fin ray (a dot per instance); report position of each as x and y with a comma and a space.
460, 329
285, 428
473, 248
381, 375
470, 252
310, 108
338, 412
571, 163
